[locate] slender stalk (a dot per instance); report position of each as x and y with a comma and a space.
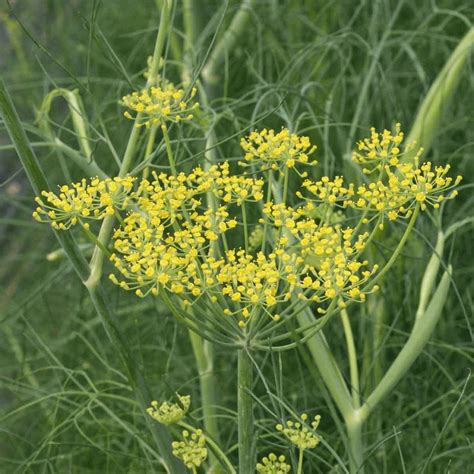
245, 412
211, 72
169, 150
246, 230
269, 195
399, 248
352, 356
300, 462
149, 149
175, 45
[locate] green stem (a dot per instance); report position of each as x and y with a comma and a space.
175, 46
399, 248
246, 230
204, 356
355, 444
149, 149
245, 412
169, 150
285, 186
94, 239
352, 355
327, 366
412, 348
269, 195
212, 68
300, 462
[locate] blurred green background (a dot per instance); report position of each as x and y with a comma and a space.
330, 69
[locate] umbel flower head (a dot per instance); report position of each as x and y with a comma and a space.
273, 464
93, 199
160, 104
192, 449
381, 149
295, 250
170, 413
277, 150
299, 434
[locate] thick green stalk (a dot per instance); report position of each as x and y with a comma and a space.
327, 366
211, 72
38, 182
76, 109
427, 121
299, 470
412, 348
355, 443
204, 356
245, 413
429, 277
175, 46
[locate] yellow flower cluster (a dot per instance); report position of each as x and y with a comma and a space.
327, 256
249, 282
169, 241
273, 464
169, 413
228, 187
151, 253
424, 184
299, 434
94, 199
326, 191
160, 104
404, 188
192, 449
380, 149
401, 184
277, 150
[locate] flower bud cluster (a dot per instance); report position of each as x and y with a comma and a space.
299, 434
170, 413
273, 464
191, 449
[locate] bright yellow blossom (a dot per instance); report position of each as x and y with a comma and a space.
277, 150
93, 199
160, 104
